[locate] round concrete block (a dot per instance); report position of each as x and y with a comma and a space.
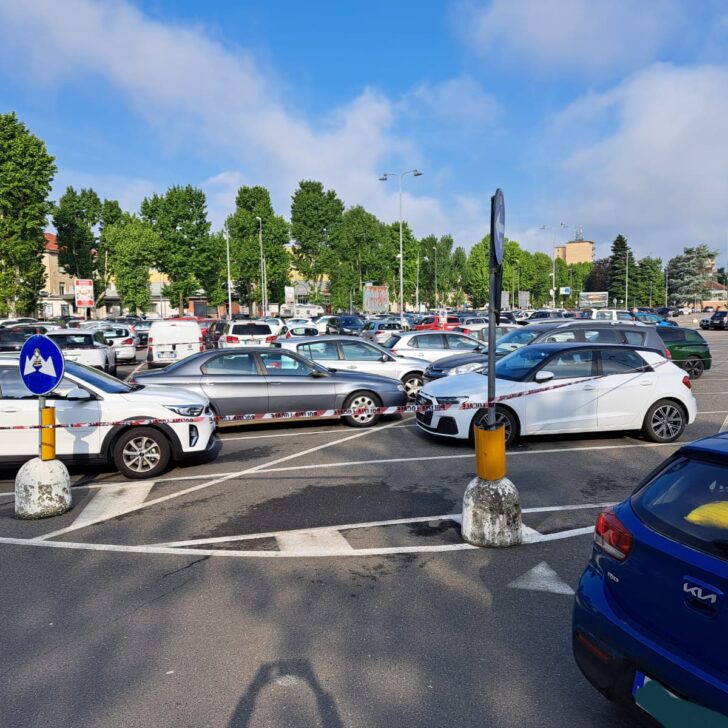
42, 489
491, 513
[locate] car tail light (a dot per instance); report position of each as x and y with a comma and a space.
150, 341
466, 331
611, 535
231, 339
600, 654
686, 381
394, 351
668, 355
127, 342
289, 335
270, 339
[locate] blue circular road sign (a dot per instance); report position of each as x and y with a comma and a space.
41, 365
499, 224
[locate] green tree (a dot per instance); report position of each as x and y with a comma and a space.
477, 272
75, 217
245, 229
135, 245
26, 173
598, 278
180, 219
623, 274
211, 268
689, 273
111, 213
459, 263
316, 215
651, 283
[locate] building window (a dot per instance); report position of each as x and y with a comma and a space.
62, 289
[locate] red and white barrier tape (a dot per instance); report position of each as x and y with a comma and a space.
308, 414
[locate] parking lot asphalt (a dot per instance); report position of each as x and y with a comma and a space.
313, 574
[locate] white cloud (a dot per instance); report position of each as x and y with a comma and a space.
573, 36
459, 100
659, 173
200, 95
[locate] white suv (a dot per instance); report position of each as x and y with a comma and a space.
86, 395
245, 333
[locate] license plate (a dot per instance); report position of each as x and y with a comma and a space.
167, 354
655, 701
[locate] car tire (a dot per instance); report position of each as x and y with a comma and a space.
128, 451
502, 415
665, 421
112, 371
694, 366
362, 400
412, 383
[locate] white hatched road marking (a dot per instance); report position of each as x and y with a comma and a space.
217, 481
113, 502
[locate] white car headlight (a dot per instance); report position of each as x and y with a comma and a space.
474, 366
186, 410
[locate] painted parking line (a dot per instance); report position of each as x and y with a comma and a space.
295, 434
218, 480
457, 517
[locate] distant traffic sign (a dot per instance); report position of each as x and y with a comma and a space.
41, 365
499, 224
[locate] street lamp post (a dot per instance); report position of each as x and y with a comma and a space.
399, 176
263, 293
229, 277
626, 279
417, 285
553, 261
667, 266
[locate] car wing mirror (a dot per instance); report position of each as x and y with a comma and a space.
544, 376
78, 394
318, 374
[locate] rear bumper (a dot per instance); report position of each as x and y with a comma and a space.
622, 649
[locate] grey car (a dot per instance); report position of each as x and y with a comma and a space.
266, 379
553, 331
355, 355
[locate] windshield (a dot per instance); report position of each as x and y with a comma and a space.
518, 366
515, 340
105, 382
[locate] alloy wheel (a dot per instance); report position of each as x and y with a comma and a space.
141, 454
694, 367
666, 421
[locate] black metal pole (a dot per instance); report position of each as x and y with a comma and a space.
491, 319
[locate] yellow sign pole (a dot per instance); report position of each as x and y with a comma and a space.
48, 434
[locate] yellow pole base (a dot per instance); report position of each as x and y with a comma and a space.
490, 453
48, 436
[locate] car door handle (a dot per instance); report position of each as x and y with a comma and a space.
589, 387
645, 383
10, 409
353, 366
277, 384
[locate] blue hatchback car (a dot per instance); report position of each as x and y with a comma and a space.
650, 623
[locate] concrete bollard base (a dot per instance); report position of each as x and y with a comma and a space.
42, 489
491, 513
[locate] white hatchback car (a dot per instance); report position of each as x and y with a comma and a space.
237, 334
87, 395
603, 387
431, 345
122, 338
85, 346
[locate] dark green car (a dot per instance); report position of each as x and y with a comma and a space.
687, 348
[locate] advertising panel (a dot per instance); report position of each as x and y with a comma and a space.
376, 299
594, 299
83, 289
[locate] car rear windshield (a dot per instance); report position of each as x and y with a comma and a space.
251, 330
392, 341
688, 502
12, 337
73, 341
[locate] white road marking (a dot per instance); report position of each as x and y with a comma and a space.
351, 463
557, 535
325, 541
724, 426
542, 578
109, 503
217, 481
134, 371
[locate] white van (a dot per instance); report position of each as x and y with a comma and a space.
170, 341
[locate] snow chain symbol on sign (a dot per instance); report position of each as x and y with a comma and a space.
313, 414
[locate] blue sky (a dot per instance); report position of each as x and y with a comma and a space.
609, 115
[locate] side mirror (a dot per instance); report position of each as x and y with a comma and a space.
318, 374
385, 357
544, 376
77, 394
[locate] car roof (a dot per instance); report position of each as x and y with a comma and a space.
75, 332
713, 445
576, 323
330, 337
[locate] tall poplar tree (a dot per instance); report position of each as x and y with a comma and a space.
26, 173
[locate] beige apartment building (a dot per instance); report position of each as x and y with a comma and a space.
575, 251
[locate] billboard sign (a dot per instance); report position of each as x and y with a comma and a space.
524, 299
290, 295
593, 299
83, 289
376, 299
565, 291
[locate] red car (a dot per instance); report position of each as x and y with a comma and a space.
433, 322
